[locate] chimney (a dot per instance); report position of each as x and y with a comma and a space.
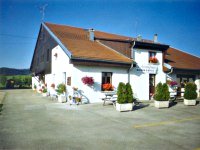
91, 34
139, 38
155, 38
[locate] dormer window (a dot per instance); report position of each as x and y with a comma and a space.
152, 57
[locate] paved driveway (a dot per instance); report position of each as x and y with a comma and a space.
29, 121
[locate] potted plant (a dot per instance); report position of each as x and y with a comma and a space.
161, 96
124, 97
89, 81
190, 94
34, 87
107, 87
61, 90
44, 92
153, 60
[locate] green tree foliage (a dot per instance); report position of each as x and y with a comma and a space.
158, 92
121, 93
162, 92
166, 94
3, 80
129, 93
61, 88
124, 93
190, 91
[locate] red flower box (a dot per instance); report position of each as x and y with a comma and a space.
88, 80
107, 87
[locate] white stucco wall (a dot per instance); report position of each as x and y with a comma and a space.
94, 93
139, 79
60, 66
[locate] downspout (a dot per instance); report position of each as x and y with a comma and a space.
129, 72
172, 69
131, 63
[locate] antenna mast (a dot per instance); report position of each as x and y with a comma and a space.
42, 11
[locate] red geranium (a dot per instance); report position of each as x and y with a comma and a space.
88, 80
153, 60
53, 85
107, 87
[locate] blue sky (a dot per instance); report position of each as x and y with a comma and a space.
176, 22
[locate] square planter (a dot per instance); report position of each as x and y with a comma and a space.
124, 107
44, 94
61, 98
191, 102
161, 104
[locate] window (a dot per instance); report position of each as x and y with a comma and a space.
48, 54
152, 54
107, 79
152, 57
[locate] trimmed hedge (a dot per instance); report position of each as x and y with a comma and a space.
162, 92
124, 93
190, 91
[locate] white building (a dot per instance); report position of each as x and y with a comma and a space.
65, 54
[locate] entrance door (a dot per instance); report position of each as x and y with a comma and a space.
152, 78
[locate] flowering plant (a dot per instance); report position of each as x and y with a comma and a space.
53, 85
153, 60
75, 88
88, 80
107, 87
173, 83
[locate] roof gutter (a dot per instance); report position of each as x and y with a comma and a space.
169, 67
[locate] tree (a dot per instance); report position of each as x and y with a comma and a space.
158, 93
121, 93
165, 90
190, 91
3, 80
129, 93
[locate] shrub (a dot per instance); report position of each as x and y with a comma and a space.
61, 88
162, 92
44, 90
35, 86
129, 93
190, 91
121, 93
88, 80
158, 92
165, 90
124, 93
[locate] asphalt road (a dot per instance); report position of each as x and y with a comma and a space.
30, 121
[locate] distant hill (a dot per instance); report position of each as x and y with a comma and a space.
13, 71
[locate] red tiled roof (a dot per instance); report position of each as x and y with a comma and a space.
116, 48
76, 40
181, 60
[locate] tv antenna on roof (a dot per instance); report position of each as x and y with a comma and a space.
42, 11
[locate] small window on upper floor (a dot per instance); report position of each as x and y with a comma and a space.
152, 57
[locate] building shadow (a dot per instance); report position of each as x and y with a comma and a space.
173, 103
139, 106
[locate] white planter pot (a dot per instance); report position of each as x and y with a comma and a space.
44, 94
61, 98
161, 104
191, 102
124, 107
